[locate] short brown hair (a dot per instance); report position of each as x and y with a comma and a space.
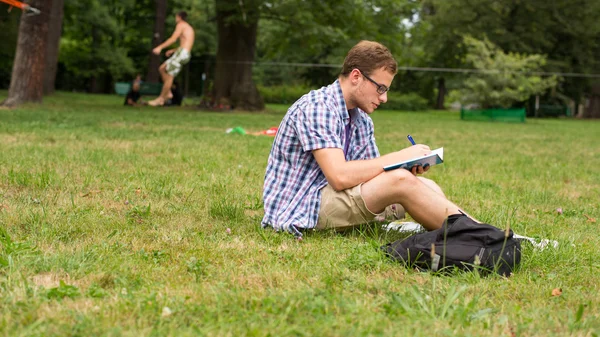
182, 15
368, 56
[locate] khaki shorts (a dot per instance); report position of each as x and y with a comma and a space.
347, 209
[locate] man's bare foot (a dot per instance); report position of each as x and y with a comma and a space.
170, 95
157, 102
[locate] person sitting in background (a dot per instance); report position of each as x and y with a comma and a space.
176, 95
133, 96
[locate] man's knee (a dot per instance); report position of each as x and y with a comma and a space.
432, 184
402, 178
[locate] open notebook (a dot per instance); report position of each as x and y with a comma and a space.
435, 157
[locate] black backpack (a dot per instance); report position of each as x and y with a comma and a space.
462, 243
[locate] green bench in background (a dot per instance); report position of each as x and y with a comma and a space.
122, 88
551, 110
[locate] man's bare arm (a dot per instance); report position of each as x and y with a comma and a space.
342, 174
170, 52
176, 34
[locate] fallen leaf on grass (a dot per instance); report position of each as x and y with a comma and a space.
556, 292
590, 219
511, 330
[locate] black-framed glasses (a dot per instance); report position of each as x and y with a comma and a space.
381, 89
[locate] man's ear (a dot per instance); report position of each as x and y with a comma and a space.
354, 76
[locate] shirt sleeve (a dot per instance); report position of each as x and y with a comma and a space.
318, 127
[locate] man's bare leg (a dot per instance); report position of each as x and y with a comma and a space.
422, 199
166, 77
166, 89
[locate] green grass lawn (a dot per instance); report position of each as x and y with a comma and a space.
120, 221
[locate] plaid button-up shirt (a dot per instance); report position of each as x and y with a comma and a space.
293, 181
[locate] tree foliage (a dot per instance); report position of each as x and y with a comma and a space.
93, 43
321, 32
567, 32
504, 78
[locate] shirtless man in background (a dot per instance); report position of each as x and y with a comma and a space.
181, 56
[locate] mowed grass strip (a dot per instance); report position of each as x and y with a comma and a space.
122, 221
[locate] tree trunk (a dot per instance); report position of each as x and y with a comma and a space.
441, 94
27, 79
53, 44
237, 26
592, 109
158, 37
94, 87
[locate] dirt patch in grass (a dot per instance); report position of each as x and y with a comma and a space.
50, 280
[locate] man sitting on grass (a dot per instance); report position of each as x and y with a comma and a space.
324, 169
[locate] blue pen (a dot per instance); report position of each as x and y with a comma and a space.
411, 140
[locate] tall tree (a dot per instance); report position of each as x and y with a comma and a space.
157, 38
52, 47
237, 26
27, 78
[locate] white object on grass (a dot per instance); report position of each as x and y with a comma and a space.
404, 227
166, 312
543, 244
